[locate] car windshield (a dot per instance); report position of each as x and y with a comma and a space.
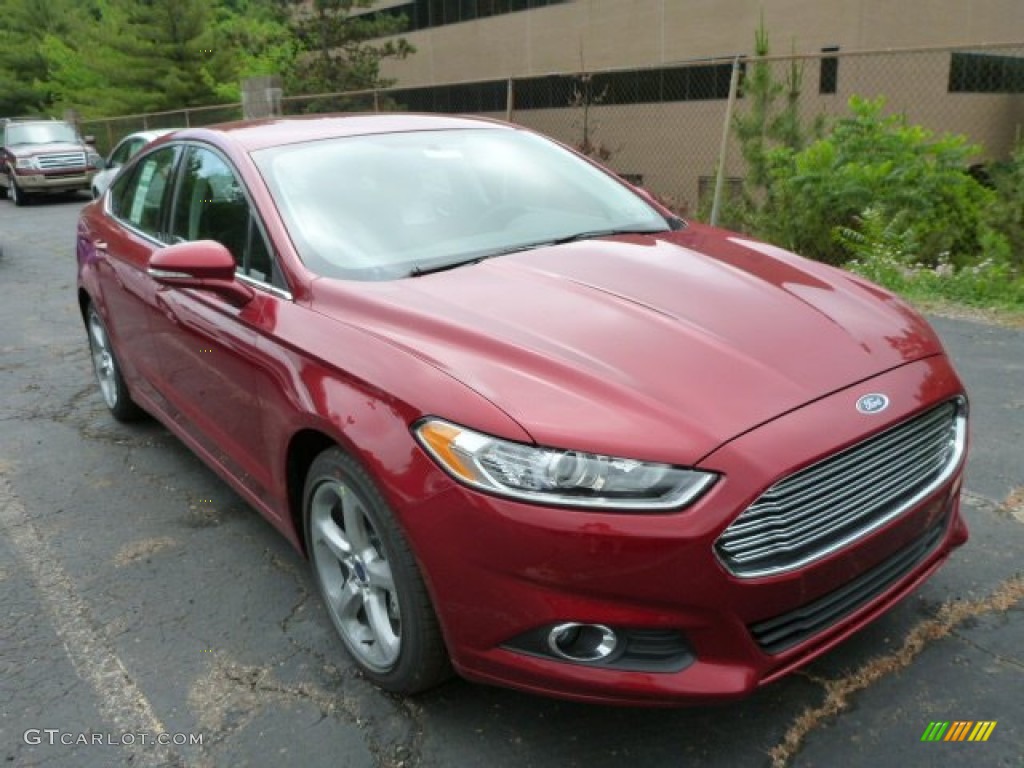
41, 133
385, 206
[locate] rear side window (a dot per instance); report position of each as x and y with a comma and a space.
141, 197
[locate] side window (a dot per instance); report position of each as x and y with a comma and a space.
125, 152
212, 206
141, 197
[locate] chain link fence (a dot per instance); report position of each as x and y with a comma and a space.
662, 127
108, 131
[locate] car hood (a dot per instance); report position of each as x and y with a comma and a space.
31, 150
659, 348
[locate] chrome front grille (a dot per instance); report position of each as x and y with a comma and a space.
828, 505
58, 160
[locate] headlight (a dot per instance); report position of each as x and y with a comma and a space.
94, 160
28, 163
552, 476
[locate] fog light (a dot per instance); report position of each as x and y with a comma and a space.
582, 642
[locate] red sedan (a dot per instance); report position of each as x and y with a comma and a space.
523, 421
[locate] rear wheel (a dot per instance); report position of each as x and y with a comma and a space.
369, 579
108, 371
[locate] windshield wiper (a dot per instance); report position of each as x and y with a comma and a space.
418, 270
595, 233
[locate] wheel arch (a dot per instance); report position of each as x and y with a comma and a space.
84, 300
303, 448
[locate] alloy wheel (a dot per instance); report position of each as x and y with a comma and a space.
103, 361
355, 575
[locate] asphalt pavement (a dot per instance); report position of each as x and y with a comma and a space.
143, 600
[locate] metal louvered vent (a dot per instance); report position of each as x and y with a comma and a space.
779, 633
56, 161
828, 505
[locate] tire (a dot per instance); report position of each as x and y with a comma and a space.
17, 196
108, 370
368, 578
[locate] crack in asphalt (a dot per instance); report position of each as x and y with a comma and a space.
838, 692
233, 694
74, 413
400, 755
1008, 660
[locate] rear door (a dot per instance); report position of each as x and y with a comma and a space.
134, 229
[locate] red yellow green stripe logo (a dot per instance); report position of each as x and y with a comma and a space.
959, 730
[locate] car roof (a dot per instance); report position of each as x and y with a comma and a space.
152, 133
30, 120
252, 135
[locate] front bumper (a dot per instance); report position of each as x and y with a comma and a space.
36, 182
499, 569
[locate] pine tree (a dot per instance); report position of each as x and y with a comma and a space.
24, 70
340, 56
127, 57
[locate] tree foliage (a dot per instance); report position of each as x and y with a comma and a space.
771, 118
114, 57
887, 198
24, 87
339, 53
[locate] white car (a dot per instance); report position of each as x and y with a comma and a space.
124, 151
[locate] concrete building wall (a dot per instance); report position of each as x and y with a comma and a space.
633, 33
671, 145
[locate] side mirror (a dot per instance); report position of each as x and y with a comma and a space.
90, 139
204, 265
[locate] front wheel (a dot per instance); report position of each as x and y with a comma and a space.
17, 196
369, 579
108, 371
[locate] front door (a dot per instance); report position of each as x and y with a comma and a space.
212, 370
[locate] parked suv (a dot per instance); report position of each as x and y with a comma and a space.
44, 156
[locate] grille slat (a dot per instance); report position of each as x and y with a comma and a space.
852, 458
840, 501
828, 505
824, 525
825, 494
61, 160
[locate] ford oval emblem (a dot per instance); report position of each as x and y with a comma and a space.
873, 403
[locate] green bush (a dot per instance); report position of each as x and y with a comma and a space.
899, 171
883, 251
1006, 215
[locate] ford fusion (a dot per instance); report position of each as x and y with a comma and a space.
526, 425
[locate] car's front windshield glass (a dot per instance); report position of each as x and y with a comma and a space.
41, 133
385, 206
